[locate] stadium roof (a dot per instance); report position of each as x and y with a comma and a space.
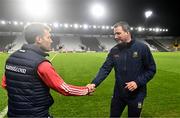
165, 12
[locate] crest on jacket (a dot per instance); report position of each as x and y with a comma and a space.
135, 54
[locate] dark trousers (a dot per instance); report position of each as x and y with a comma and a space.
134, 106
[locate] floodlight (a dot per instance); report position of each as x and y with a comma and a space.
76, 26
107, 27
21, 23
98, 10
15, 23
85, 26
56, 25
61, 25
140, 29
94, 26
28, 23
3, 22
148, 13
66, 25
103, 27
157, 30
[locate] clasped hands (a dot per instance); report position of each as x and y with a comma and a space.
91, 87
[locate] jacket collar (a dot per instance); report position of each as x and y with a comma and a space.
124, 45
131, 42
35, 49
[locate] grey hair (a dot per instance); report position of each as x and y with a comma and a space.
125, 26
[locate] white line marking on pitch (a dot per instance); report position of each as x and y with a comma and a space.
3, 113
53, 56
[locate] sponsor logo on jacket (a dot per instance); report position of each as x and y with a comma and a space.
15, 69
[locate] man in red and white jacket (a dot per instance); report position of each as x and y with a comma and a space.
29, 76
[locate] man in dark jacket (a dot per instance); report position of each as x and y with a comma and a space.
134, 66
29, 76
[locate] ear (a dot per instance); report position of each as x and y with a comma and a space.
38, 39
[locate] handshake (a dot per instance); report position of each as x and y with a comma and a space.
91, 88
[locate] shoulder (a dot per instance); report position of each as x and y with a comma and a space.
45, 65
140, 44
142, 47
115, 49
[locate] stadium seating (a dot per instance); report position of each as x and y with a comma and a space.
70, 43
11, 42
6, 42
107, 42
17, 43
91, 43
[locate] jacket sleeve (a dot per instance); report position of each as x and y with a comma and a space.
3, 83
104, 70
50, 77
149, 68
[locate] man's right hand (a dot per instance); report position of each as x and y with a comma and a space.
91, 87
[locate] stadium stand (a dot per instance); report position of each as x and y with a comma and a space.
166, 42
6, 42
12, 41
91, 43
56, 43
17, 43
70, 43
153, 43
151, 47
163, 44
176, 44
107, 42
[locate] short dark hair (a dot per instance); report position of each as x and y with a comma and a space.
33, 30
125, 26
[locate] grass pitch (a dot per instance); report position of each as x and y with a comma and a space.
163, 99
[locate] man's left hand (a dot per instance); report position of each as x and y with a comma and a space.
131, 85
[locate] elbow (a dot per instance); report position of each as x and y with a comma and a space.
65, 93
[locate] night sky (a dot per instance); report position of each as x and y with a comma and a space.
165, 12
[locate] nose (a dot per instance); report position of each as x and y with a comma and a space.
115, 36
51, 40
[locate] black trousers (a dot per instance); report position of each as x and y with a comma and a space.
134, 106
